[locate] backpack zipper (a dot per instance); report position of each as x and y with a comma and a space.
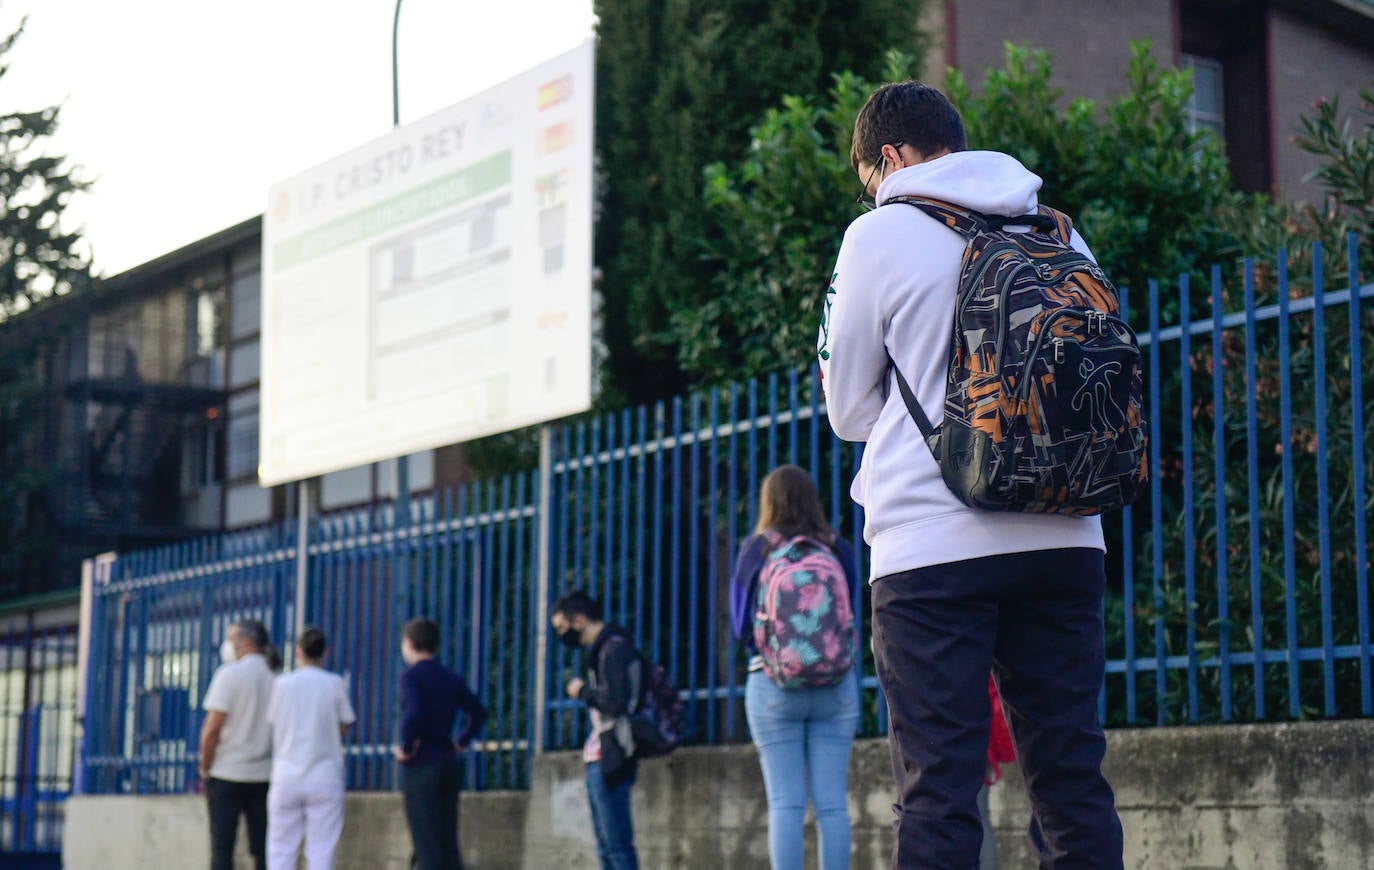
1084, 314
1004, 319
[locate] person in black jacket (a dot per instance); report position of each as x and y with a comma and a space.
613, 691
431, 696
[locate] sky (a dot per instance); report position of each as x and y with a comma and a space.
184, 112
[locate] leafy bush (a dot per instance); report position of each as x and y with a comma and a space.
1305, 418
1143, 190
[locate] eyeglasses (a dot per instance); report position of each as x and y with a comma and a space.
863, 199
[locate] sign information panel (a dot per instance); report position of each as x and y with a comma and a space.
433, 286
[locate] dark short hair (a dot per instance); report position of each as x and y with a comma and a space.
577, 603
423, 634
311, 643
909, 112
254, 631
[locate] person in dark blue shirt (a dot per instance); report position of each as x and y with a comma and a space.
431, 698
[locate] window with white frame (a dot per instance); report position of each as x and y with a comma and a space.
1205, 108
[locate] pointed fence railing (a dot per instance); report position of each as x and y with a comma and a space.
1237, 591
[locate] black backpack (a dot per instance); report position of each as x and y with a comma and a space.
659, 725
1043, 406
657, 715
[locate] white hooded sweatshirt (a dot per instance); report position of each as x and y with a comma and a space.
892, 298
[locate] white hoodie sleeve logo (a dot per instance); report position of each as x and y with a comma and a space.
823, 342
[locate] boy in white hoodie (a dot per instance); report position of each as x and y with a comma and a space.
958, 591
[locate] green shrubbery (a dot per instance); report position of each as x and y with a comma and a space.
1155, 202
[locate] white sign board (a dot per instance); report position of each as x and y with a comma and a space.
433, 286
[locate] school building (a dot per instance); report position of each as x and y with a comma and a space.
150, 426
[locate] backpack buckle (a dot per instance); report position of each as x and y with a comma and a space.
1058, 344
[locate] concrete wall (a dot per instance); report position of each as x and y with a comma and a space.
1298, 796
172, 832
1309, 64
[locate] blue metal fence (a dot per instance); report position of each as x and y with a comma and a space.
38, 682
464, 559
1238, 589
1257, 599
648, 507
467, 559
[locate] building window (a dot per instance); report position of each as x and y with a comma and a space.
244, 364
245, 305
208, 318
1206, 110
243, 436
204, 456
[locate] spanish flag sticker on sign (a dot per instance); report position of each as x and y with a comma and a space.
555, 92
555, 138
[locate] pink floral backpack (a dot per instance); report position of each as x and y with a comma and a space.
804, 622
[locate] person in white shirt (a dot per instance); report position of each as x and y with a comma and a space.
310, 713
236, 745
957, 591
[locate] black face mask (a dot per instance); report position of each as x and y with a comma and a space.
572, 638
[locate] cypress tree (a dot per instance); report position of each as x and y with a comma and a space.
679, 85
39, 262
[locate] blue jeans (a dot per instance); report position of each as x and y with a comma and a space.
804, 737
615, 832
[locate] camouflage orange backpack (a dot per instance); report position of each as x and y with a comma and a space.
1043, 409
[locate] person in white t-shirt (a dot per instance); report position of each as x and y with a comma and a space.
236, 744
310, 714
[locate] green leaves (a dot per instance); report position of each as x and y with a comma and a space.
777, 217
1144, 191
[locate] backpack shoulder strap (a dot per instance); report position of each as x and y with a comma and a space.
1063, 224
963, 221
913, 407
634, 670
969, 223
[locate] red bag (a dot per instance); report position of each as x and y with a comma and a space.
1000, 749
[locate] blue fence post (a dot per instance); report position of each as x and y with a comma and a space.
555, 540
732, 496
1128, 574
772, 420
661, 441
1357, 476
793, 406
676, 510
1252, 455
626, 505
26, 779
483, 632
1157, 508
560, 524
1185, 356
1290, 582
1323, 491
1219, 498
613, 581
499, 647
693, 517
641, 511
715, 660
